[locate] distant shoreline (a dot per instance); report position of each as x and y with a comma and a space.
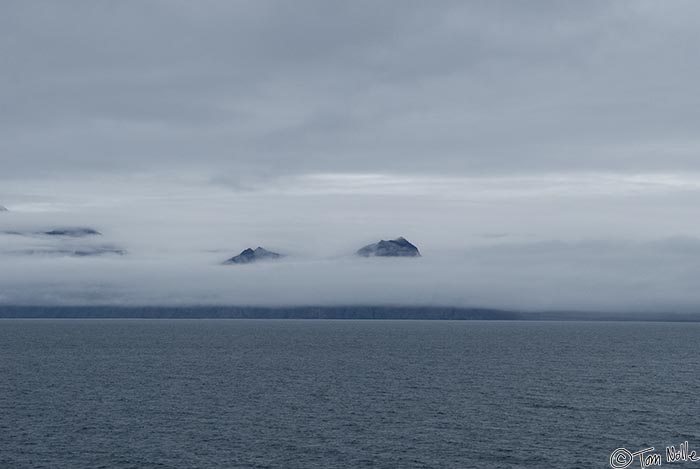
324, 312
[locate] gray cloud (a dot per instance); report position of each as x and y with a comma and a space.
282, 88
541, 155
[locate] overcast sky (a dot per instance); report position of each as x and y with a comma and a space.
542, 155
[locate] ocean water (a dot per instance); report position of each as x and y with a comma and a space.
343, 394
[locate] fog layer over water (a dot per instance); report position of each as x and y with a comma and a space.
598, 242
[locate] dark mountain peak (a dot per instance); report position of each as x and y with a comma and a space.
74, 232
249, 255
3, 209
399, 247
401, 241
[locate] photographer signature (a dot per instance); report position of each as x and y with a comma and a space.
622, 458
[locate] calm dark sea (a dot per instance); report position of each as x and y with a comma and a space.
342, 394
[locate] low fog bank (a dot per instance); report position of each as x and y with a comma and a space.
594, 276
547, 244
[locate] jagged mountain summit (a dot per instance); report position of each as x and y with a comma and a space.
73, 232
399, 247
249, 256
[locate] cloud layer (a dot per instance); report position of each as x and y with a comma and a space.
249, 88
541, 156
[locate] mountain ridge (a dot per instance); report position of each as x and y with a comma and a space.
249, 256
363, 312
398, 247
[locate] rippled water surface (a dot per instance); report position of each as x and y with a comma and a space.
336, 394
